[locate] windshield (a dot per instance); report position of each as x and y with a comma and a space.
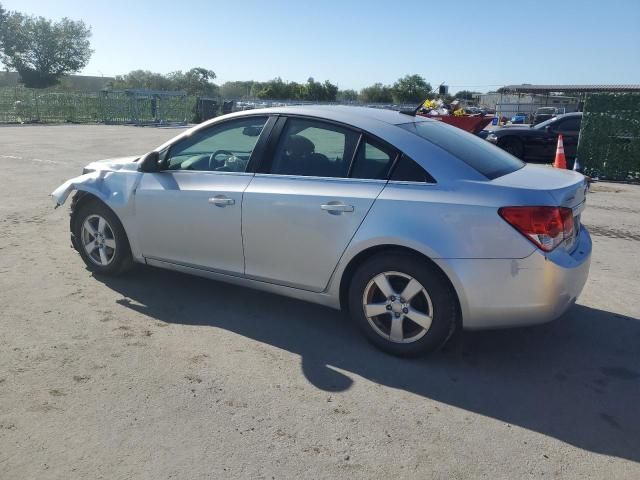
489, 160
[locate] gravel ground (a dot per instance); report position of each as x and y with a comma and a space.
159, 375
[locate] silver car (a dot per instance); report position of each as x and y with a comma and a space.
415, 227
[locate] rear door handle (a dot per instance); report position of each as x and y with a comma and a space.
221, 201
336, 208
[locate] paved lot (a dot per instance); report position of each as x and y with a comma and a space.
158, 375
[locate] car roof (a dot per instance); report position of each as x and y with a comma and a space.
571, 114
356, 116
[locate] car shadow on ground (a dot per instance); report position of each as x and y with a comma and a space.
576, 379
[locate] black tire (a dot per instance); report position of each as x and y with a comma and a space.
514, 146
443, 300
122, 259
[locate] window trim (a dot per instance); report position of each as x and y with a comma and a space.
380, 145
258, 149
409, 182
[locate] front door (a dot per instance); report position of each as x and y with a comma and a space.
190, 212
300, 213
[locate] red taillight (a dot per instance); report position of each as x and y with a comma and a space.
546, 227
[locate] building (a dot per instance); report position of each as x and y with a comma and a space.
508, 104
526, 97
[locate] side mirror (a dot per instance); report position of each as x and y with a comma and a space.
549, 129
149, 162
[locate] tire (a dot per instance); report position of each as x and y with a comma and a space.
513, 146
115, 257
384, 322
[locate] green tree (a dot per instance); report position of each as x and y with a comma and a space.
237, 89
376, 93
43, 51
197, 81
142, 79
330, 91
313, 90
411, 89
347, 95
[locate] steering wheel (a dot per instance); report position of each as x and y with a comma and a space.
215, 163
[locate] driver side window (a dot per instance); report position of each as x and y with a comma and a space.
222, 148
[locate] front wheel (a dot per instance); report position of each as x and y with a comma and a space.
403, 304
100, 239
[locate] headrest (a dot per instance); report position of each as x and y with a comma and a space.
300, 146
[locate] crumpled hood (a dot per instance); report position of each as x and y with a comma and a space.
114, 164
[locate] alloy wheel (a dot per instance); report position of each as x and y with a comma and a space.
397, 307
98, 240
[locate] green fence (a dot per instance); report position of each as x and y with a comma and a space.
23, 105
609, 146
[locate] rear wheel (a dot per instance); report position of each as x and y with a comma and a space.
403, 305
100, 239
513, 146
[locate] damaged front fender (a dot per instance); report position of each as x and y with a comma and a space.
89, 182
112, 187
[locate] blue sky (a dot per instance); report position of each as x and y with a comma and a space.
467, 44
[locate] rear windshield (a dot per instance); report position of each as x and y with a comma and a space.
489, 160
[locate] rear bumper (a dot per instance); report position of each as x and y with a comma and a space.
497, 293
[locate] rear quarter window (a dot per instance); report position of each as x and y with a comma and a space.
487, 159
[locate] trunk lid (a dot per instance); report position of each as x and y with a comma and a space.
566, 188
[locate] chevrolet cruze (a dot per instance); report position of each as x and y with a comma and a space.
414, 227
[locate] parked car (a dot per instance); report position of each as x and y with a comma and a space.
415, 227
520, 118
543, 114
538, 143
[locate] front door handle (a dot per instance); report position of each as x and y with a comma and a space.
336, 208
221, 201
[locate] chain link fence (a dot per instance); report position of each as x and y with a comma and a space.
609, 145
138, 107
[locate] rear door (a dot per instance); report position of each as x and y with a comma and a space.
308, 199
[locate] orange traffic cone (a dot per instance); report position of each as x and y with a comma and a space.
560, 161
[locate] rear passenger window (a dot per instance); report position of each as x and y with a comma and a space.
313, 148
407, 170
372, 161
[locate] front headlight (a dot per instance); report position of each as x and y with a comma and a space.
492, 137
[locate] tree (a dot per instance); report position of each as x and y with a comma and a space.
411, 89
376, 93
43, 51
278, 89
330, 91
347, 95
238, 89
197, 81
142, 79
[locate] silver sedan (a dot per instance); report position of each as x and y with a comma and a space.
414, 227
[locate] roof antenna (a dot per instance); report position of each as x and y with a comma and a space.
414, 112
